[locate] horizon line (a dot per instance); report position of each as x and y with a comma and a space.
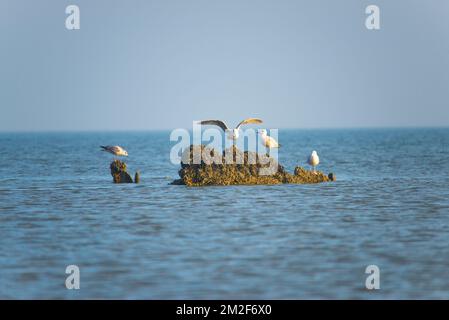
169, 129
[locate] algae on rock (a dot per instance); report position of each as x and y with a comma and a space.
203, 166
119, 173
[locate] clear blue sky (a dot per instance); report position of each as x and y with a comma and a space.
161, 64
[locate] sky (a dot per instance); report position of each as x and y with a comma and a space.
150, 65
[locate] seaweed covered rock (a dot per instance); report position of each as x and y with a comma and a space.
202, 166
118, 172
302, 175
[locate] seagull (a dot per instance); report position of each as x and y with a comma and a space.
313, 160
268, 141
115, 150
232, 134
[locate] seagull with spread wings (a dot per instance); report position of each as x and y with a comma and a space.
232, 134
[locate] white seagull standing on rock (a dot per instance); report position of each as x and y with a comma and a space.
232, 134
313, 160
268, 141
115, 150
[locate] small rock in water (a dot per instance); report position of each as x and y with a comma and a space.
137, 177
118, 172
332, 177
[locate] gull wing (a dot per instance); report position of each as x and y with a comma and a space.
219, 123
248, 121
115, 149
111, 149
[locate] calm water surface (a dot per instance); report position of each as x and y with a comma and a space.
389, 207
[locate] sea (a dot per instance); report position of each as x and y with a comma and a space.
388, 211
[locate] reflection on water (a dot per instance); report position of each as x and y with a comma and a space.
389, 207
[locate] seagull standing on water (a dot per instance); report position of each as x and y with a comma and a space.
232, 134
268, 142
313, 160
115, 150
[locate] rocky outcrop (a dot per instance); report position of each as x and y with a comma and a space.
203, 166
118, 172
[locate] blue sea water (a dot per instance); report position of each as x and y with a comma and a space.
389, 207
